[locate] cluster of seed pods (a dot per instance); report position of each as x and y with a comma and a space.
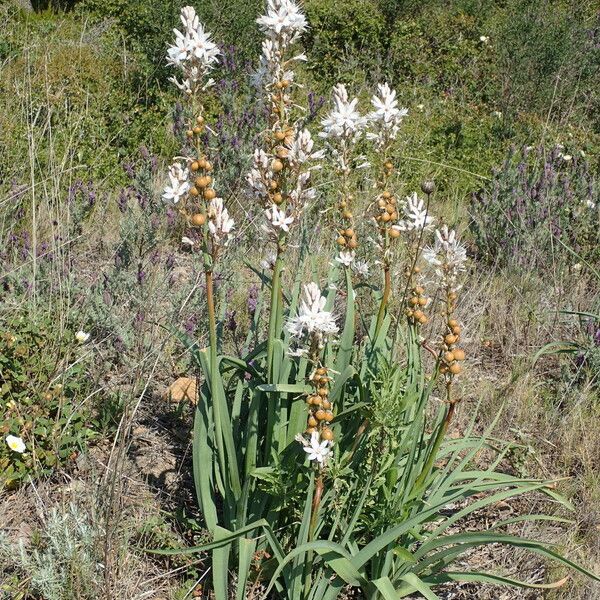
319, 405
452, 355
200, 169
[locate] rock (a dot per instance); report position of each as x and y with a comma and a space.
182, 390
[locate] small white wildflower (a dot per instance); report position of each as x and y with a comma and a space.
346, 257
284, 18
82, 337
278, 218
15, 443
497, 114
567, 157
186, 241
484, 39
220, 224
316, 449
361, 268
179, 183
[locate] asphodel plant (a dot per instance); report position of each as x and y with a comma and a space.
321, 457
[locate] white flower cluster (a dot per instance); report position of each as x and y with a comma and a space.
343, 120
448, 256
179, 184
220, 224
416, 217
193, 52
387, 117
312, 319
317, 450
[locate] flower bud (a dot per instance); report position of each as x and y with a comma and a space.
428, 187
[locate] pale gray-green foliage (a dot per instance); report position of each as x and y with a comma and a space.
65, 563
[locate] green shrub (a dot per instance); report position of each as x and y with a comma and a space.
43, 389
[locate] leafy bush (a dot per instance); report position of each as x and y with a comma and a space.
43, 388
539, 202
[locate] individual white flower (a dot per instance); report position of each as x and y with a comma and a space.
448, 256
179, 52
497, 114
361, 268
311, 317
179, 184
345, 257
344, 120
316, 449
484, 39
186, 241
416, 215
15, 443
278, 218
567, 157
301, 149
82, 337
220, 224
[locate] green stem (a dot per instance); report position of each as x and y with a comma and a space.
212, 331
387, 288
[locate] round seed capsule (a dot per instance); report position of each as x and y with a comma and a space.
277, 165
198, 220
395, 233
422, 319
312, 422
320, 415
326, 404
456, 330
449, 357
452, 323
459, 354
328, 416
455, 368
326, 434
341, 241
414, 301
450, 339
195, 165
194, 191
210, 194
422, 301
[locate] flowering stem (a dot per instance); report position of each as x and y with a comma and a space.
319, 486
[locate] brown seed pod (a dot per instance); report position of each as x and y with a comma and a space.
347, 214
326, 434
322, 391
352, 243
312, 422
456, 330
194, 191
414, 301
282, 152
455, 368
417, 270
203, 182
386, 195
395, 233
418, 314
272, 184
452, 323
279, 136
388, 165
200, 120
321, 371
422, 301
197, 129
198, 219
394, 216
381, 203
189, 133
195, 165
328, 416
277, 166
320, 415
341, 241
389, 208
450, 339
449, 357
277, 198
311, 430
349, 232
385, 217
326, 404
207, 166
311, 399
459, 354
418, 289
422, 319
210, 194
